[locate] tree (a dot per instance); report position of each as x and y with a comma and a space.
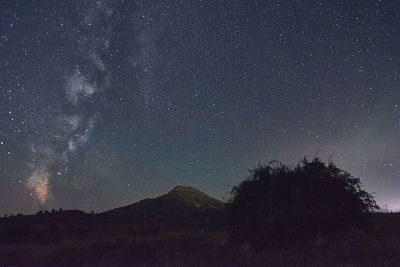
277, 204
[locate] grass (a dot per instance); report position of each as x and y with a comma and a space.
116, 245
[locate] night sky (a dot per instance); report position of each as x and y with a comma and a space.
103, 103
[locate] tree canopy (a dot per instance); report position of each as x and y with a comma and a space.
278, 203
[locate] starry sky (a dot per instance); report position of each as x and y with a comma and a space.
103, 103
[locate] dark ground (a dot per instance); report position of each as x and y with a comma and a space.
73, 238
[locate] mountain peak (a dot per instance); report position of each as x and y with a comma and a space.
193, 197
180, 200
181, 188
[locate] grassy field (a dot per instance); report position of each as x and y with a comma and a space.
77, 239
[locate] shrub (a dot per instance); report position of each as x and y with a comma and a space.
278, 204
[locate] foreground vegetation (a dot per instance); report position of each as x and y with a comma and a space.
312, 214
278, 205
115, 244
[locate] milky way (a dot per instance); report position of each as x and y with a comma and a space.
77, 122
104, 103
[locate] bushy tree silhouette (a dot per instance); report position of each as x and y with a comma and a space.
278, 204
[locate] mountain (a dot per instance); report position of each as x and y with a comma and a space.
183, 208
181, 201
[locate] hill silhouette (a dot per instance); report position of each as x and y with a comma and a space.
180, 201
